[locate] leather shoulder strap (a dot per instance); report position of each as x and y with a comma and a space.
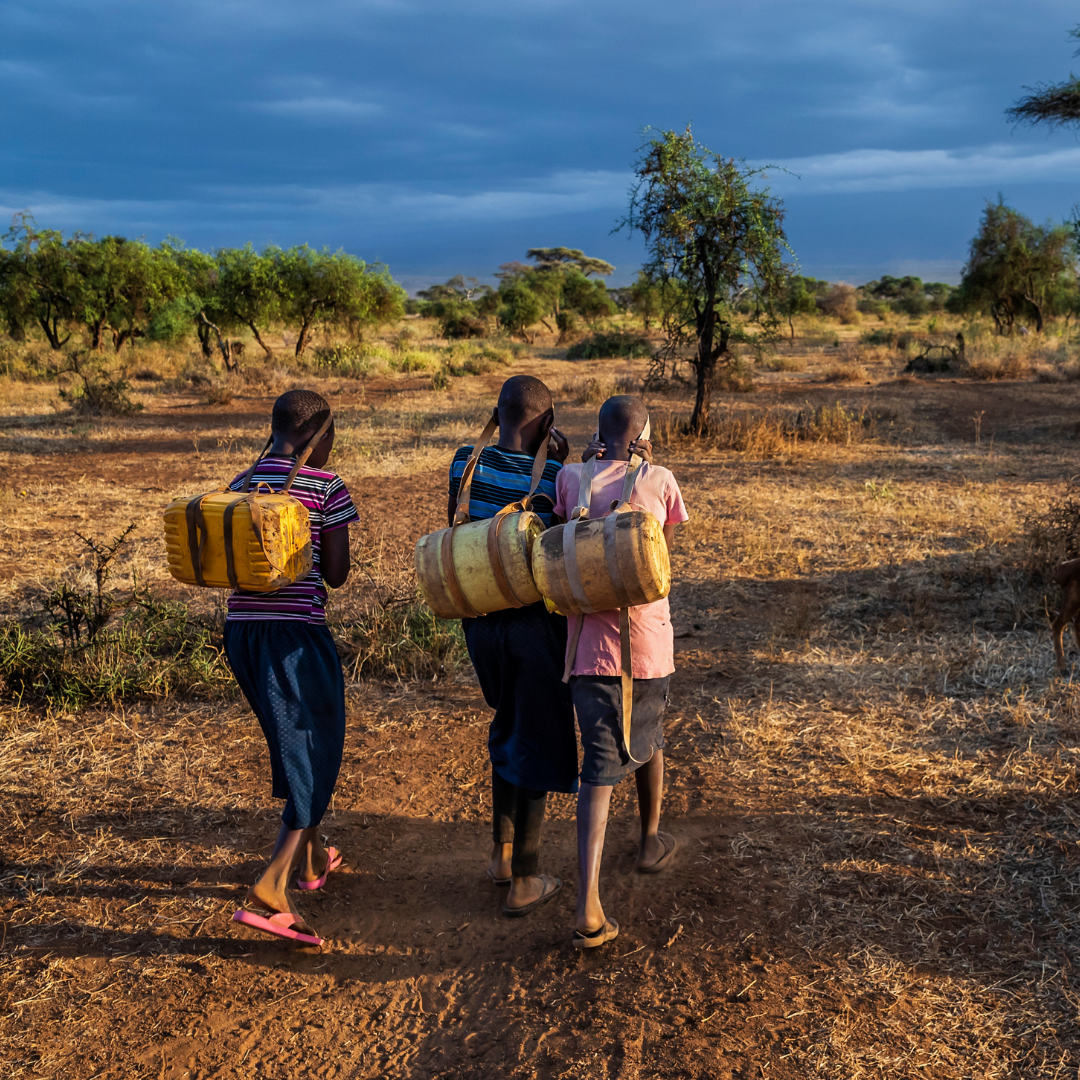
251, 472
301, 461
461, 515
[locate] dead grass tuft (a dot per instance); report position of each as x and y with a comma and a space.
844, 371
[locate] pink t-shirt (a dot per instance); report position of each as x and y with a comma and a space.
652, 641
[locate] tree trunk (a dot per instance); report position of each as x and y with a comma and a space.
49, 324
791, 326
304, 339
1038, 312
704, 365
265, 348
699, 421
97, 334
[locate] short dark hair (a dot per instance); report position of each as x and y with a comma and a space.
299, 413
523, 398
623, 416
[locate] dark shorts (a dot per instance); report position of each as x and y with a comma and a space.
598, 704
291, 676
519, 656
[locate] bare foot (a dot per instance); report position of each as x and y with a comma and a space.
263, 897
316, 860
526, 890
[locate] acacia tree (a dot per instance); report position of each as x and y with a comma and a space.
797, 297
40, 283
121, 283
1016, 268
246, 288
1053, 104
564, 257
320, 287
710, 235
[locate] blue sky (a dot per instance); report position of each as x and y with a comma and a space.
449, 137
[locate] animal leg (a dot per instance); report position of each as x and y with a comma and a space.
1057, 631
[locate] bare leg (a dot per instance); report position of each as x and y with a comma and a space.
592, 817
650, 793
271, 891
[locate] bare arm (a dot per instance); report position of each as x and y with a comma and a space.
334, 557
669, 534
451, 509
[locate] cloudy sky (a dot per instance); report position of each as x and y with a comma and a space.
449, 137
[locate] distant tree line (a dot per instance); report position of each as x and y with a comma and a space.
113, 290
557, 290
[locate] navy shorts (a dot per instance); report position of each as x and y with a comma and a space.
598, 704
291, 676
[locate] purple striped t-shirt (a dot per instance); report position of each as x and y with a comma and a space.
329, 506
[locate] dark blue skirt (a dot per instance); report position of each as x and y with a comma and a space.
518, 656
291, 676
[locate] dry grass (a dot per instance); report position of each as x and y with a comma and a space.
845, 372
865, 726
766, 432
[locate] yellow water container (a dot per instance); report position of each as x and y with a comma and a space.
259, 545
256, 540
479, 567
617, 561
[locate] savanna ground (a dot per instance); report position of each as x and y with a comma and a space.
872, 767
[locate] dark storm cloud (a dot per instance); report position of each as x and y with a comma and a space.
451, 136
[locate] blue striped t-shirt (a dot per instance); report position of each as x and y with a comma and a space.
502, 477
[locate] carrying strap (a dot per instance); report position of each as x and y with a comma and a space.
461, 517
196, 522
301, 461
579, 514
461, 514
196, 530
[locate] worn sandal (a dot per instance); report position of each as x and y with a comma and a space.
671, 845
593, 939
280, 925
545, 896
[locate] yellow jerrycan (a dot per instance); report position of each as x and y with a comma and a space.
477, 567
256, 541
618, 561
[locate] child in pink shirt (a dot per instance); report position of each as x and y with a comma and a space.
595, 676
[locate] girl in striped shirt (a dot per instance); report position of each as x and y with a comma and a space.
286, 663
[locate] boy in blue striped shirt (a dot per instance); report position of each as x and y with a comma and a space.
518, 654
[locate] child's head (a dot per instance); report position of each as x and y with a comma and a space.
297, 415
622, 420
523, 402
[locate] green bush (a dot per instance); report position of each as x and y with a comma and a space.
101, 394
610, 344
154, 650
400, 639
350, 361
879, 337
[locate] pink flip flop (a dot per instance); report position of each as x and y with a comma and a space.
332, 863
280, 925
